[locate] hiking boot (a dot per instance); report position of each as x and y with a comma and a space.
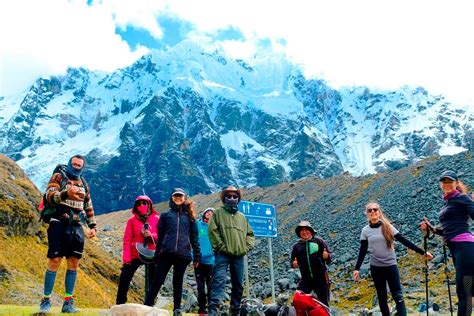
68, 307
212, 312
45, 305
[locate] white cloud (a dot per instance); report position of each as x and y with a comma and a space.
367, 42
46, 37
376, 43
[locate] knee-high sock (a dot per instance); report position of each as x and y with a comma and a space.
49, 279
70, 282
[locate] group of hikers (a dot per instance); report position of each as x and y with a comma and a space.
219, 239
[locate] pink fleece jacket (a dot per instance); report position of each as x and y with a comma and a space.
133, 235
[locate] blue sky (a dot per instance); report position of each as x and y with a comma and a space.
374, 43
174, 31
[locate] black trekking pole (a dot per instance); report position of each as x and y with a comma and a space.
146, 226
447, 277
425, 246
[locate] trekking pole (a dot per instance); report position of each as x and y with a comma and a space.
425, 246
147, 276
447, 278
146, 226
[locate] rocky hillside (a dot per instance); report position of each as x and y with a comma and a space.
18, 197
335, 207
23, 245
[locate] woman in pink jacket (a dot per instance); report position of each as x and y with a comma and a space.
141, 227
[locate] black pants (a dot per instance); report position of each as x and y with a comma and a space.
163, 266
319, 284
128, 270
203, 281
463, 257
390, 275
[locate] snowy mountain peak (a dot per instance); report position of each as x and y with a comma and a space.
194, 118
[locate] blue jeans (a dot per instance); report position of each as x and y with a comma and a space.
236, 265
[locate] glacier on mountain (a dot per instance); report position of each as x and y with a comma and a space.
185, 116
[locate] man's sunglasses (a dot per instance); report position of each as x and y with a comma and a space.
370, 210
232, 196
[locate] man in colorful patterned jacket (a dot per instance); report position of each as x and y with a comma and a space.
70, 196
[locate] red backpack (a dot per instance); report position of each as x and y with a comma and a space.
307, 304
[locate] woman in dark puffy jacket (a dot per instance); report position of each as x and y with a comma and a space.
455, 219
178, 234
141, 227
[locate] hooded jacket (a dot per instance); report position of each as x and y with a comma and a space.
133, 234
207, 255
309, 255
230, 232
178, 235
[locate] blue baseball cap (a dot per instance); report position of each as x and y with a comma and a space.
448, 174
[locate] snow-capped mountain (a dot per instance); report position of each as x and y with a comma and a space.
196, 119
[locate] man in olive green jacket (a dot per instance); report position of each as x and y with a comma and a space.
231, 239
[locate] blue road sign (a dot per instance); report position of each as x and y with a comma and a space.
261, 217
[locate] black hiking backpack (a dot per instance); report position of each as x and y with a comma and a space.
47, 210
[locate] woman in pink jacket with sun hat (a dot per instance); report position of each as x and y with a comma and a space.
141, 227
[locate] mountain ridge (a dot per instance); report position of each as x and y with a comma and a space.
198, 119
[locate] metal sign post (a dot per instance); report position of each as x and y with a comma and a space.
262, 220
272, 276
246, 272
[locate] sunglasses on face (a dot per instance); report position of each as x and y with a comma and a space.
232, 196
370, 210
178, 195
141, 203
447, 181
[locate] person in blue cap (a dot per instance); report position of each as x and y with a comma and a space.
455, 218
177, 235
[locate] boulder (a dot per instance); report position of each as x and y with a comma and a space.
136, 310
